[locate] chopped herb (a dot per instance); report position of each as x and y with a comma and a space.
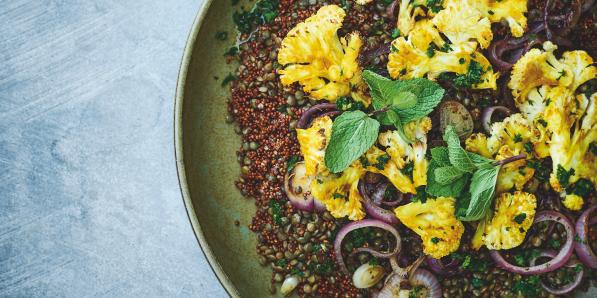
264, 12
520, 218
345, 103
408, 169
281, 263
394, 49
291, 163
324, 268
338, 196
472, 77
578, 268
345, 5
374, 261
564, 176
232, 51
525, 256
589, 91
528, 147
364, 161
276, 211
222, 35
542, 122
430, 50
435, 5
358, 237
593, 148
297, 271
528, 287
229, 78
421, 195
382, 160
554, 243
435, 240
562, 74
542, 172
490, 12
583, 187
395, 33
477, 282
461, 60
517, 138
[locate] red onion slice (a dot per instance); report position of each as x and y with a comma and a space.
302, 200
439, 267
557, 262
355, 225
488, 113
314, 112
373, 210
422, 277
582, 247
567, 288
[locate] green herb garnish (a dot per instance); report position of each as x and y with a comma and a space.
564, 176
472, 77
520, 218
264, 12
292, 162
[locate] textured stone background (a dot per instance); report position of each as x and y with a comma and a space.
89, 199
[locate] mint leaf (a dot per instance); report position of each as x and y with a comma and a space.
440, 155
482, 189
449, 174
454, 189
394, 119
458, 156
353, 133
410, 99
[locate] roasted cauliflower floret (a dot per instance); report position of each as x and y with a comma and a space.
409, 10
477, 143
435, 222
512, 175
313, 55
512, 11
340, 194
572, 123
581, 65
313, 142
573, 202
461, 22
378, 161
515, 132
514, 214
538, 68
402, 153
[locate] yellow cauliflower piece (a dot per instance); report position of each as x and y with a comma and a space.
340, 194
363, 2
461, 21
435, 222
514, 131
538, 68
378, 161
402, 153
313, 142
313, 55
512, 175
581, 65
409, 10
510, 10
573, 202
477, 143
572, 123
514, 214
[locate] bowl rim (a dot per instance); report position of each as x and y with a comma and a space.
179, 152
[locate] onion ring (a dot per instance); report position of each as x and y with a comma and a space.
582, 247
314, 112
438, 266
422, 277
488, 112
355, 225
567, 288
557, 262
373, 210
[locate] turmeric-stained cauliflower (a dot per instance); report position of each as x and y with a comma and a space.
313, 55
515, 132
512, 175
378, 161
435, 222
572, 123
512, 11
513, 216
340, 194
538, 68
409, 10
401, 153
573, 202
313, 142
461, 22
582, 66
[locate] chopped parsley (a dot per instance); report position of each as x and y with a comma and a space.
276, 211
408, 169
477, 282
395, 33
430, 50
264, 12
542, 172
435, 5
517, 138
583, 187
421, 195
472, 77
382, 160
528, 147
461, 60
291, 163
364, 161
346, 103
542, 122
525, 256
281, 263
520, 218
528, 287
564, 176
554, 243
338, 196
593, 148
435, 240
229, 78
374, 261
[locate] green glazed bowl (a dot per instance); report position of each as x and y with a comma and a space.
206, 157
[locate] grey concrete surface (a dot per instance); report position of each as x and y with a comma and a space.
89, 198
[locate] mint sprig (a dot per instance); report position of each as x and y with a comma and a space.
467, 176
394, 103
